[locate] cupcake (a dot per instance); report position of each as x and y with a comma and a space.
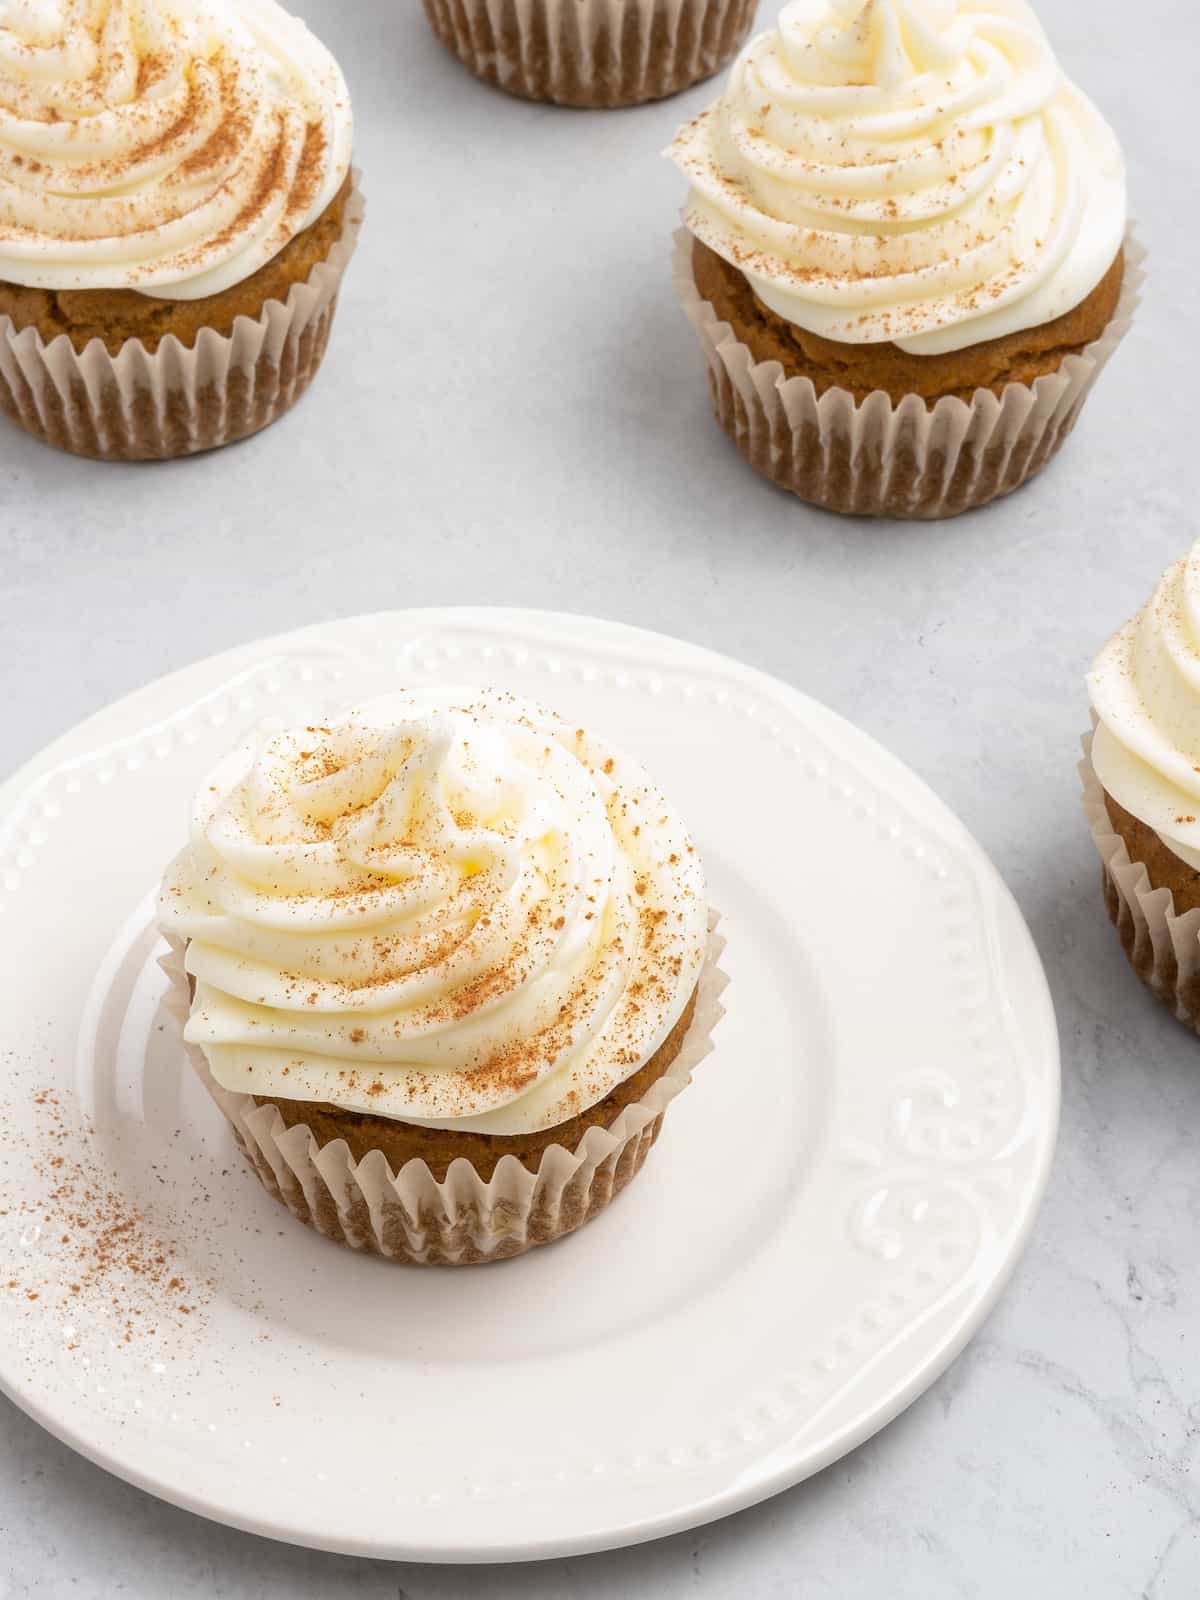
176, 212
1141, 776
597, 53
904, 252
446, 961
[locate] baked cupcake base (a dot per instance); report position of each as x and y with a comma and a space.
869, 453
399, 1142
464, 1217
598, 54
119, 376
861, 369
1152, 898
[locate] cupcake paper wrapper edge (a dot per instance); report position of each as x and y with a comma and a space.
592, 53
1163, 948
905, 461
139, 405
413, 1218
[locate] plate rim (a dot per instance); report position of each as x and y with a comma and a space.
998, 901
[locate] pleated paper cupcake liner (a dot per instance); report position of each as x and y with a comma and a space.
592, 53
143, 406
409, 1216
1163, 948
876, 458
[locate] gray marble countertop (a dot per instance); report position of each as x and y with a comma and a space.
513, 411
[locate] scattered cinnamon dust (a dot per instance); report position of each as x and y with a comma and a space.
113, 1254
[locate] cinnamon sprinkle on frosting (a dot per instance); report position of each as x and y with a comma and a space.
448, 888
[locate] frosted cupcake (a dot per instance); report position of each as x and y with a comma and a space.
176, 213
597, 53
446, 967
1142, 786
904, 252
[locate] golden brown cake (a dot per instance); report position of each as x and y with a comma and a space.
884, 201
861, 369
1164, 869
400, 1142
203, 196
116, 315
597, 54
445, 952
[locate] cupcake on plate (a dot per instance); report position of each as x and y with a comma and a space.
592, 53
1141, 775
446, 960
176, 212
904, 252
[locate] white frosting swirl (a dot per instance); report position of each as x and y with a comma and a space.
1145, 690
917, 171
168, 146
448, 908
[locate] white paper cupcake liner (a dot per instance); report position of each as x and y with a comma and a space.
139, 406
879, 459
409, 1216
1163, 948
598, 53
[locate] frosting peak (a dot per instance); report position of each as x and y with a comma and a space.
168, 146
449, 908
858, 42
917, 171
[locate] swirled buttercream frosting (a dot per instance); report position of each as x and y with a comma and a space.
168, 146
1145, 692
449, 908
914, 171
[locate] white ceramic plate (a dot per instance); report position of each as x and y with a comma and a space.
833, 1207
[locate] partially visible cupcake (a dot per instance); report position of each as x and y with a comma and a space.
448, 961
905, 252
1142, 786
176, 212
592, 53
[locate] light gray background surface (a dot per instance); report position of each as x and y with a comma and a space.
513, 411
